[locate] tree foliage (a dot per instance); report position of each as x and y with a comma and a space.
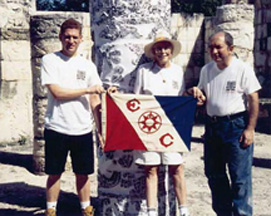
207, 7
63, 5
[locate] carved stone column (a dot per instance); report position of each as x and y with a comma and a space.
121, 29
237, 19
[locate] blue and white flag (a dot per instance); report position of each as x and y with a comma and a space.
147, 122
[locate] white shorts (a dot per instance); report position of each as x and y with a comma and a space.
157, 158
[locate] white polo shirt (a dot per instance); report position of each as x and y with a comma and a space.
226, 89
72, 117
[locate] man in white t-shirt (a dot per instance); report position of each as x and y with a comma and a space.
73, 92
231, 90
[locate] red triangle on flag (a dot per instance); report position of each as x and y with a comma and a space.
120, 135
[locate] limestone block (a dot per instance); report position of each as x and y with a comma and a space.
16, 110
16, 70
182, 59
47, 24
175, 17
268, 15
233, 13
264, 30
39, 113
256, 45
260, 59
244, 54
269, 44
17, 50
261, 31
18, 7
258, 17
38, 164
187, 33
39, 148
243, 37
16, 21
14, 34
198, 20
208, 22
188, 47
269, 63
39, 91
42, 47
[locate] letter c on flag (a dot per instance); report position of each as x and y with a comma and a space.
133, 105
163, 142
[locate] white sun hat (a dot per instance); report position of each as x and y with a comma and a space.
162, 36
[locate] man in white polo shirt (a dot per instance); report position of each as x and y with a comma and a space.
230, 87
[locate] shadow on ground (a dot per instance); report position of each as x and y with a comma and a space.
262, 162
32, 199
15, 159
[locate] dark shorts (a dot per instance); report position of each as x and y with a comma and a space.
57, 147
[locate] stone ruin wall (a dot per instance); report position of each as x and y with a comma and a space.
19, 80
262, 48
15, 72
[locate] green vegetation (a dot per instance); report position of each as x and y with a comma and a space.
207, 7
63, 5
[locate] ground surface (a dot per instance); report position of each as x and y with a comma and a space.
23, 194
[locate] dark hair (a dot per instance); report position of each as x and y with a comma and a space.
70, 24
227, 35
228, 39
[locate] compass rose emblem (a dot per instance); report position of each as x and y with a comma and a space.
150, 122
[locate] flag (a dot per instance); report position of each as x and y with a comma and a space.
147, 122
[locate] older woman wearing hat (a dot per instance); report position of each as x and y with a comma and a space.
161, 77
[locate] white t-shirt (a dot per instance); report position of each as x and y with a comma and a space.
72, 117
154, 80
226, 89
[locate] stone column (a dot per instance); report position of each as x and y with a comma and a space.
237, 19
121, 29
45, 28
15, 73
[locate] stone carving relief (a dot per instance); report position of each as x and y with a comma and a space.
122, 28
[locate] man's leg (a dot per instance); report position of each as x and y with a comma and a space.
151, 173
53, 188
52, 193
83, 165
240, 168
55, 158
177, 172
215, 169
83, 187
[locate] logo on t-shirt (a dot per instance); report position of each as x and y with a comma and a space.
81, 75
231, 86
175, 85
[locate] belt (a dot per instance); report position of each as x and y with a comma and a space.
226, 117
